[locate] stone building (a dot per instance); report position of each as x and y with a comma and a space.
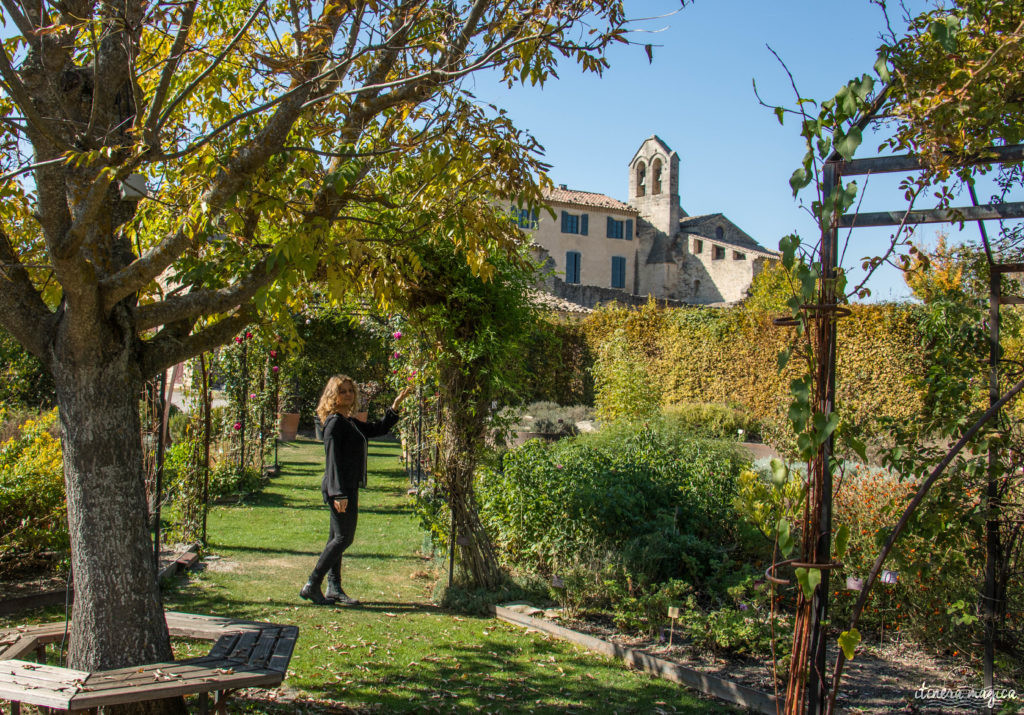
602, 249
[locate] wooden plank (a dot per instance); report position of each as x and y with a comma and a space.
35, 600
23, 646
709, 684
154, 673
159, 690
283, 649
187, 560
243, 648
50, 673
29, 692
224, 645
264, 647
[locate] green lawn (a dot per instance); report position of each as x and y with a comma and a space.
397, 652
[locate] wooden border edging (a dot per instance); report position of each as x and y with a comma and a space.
182, 561
708, 684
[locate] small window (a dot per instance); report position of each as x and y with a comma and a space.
737, 256
698, 246
719, 233
618, 272
719, 253
524, 217
616, 229
656, 177
572, 267
641, 179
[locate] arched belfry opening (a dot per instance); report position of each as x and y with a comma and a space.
641, 179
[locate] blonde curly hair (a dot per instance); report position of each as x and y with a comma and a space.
330, 400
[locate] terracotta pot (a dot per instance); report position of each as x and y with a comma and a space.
288, 426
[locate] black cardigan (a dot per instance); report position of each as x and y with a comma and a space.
345, 452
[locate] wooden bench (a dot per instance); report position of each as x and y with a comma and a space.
245, 654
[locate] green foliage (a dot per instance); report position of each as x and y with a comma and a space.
24, 382
618, 513
717, 421
556, 364
33, 513
227, 480
623, 387
333, 341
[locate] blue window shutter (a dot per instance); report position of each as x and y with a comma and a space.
565, 222
583, 224
629, 229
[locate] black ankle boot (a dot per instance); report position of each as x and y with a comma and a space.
311, 591
335, 594
334, 591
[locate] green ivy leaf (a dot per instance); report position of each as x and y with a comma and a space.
800, 178
842, 541
780, 472
786, 541
848, 143
848, 641
882, 68
808, 579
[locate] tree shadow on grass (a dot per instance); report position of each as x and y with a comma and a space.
493, 677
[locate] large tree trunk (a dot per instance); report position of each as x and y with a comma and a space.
118, 617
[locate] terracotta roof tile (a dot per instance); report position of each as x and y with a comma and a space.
587, 198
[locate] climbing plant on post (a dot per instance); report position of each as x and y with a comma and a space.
470, 326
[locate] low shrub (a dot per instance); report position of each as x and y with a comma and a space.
33, 510
552, 418
713, 420
618, 513
227, 479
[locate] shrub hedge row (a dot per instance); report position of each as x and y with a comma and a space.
730, 356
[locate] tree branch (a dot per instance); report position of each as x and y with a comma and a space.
22, 310
168, 348
240, 166
206, 302
177, 50
183, 94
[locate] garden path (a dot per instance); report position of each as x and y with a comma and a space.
397, 651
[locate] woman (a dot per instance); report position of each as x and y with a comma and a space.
345, 471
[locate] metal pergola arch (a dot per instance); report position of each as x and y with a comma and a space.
818, 695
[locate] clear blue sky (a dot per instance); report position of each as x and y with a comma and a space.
697, 96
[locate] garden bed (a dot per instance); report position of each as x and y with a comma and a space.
882, 678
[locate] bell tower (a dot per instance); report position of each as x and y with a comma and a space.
654, 185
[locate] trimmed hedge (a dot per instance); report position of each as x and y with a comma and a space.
729, 356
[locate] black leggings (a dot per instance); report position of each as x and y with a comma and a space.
343, 533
